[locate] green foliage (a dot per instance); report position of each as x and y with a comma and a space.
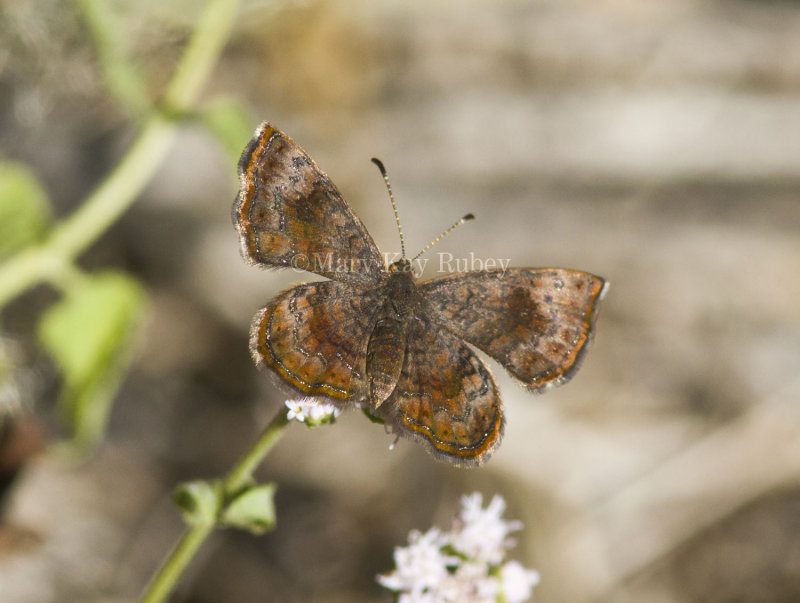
252, 510
24, 208
230, 124
204, 504
122, 75
199, 501
89, 334
90, 331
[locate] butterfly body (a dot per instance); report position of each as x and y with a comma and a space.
374, 337
387, 344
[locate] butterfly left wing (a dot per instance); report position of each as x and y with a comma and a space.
445, 397
536, 322
290, 215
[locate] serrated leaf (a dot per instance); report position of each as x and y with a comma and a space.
89, 333
24, 208
229, 123
252, 510
199, 501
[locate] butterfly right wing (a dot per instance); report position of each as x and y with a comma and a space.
536, 322
315, 337
289, 214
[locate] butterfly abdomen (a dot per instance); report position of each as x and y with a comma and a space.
385, 354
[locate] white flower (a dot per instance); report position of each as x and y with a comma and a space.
420, 566
517, 582
471, 582
418, 598
481, 533
311, 413
464, 565
296, 410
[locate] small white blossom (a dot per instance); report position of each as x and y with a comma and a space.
466, 564
481, 533
517, 582
421, 566
471, 582
311, 413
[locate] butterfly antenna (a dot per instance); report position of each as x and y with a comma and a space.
466, 218
381, 167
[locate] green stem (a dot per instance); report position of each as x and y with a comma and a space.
115, 195
242, 472
173, 566
200, 56
120, 189
122, 77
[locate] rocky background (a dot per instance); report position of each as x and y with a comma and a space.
654, 143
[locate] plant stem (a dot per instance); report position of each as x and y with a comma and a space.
209, 37
166, 578
242, 472
121, 187
122, 76
172, 568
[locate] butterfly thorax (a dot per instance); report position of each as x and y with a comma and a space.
401, 291
386, 350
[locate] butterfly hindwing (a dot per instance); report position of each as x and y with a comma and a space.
315, 336
445, 396
536, 322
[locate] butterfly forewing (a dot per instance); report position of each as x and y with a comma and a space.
536, 322
289, 214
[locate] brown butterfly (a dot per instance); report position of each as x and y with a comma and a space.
374, 337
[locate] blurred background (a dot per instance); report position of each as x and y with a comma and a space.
655, 144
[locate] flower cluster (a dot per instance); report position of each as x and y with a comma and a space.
311, 413
465, 564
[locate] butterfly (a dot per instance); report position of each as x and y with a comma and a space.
374, 337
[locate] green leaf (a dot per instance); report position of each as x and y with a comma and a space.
252, 510
199, 501
89, 333
230, 124
24, 208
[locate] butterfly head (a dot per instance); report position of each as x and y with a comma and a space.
402, 265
